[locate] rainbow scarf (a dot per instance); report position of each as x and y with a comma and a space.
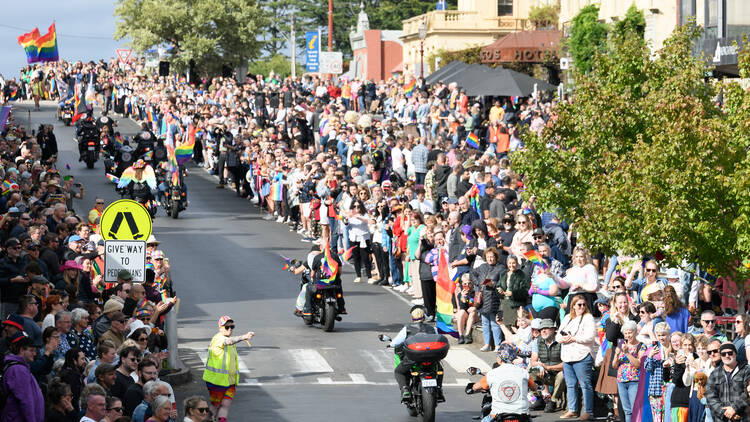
322, 124
444, 289
535, 258
472, 140
184, 151
409, 88
47, 46
329, 268
28, 42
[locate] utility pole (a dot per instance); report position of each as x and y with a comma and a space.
330, 25
293, 42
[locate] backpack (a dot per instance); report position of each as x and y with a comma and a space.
3, 393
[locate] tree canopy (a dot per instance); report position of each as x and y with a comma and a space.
210, 32
587, 37
546, 16
644, 161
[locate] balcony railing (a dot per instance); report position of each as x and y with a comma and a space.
457, 20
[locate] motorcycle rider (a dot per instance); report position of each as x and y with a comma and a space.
402, 372
317, 263
509, 385
137, 182
86, 131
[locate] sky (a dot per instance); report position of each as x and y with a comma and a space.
84, 30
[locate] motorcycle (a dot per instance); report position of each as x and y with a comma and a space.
487, 402
88, 143
426, 351
66, 114
324, 309
141, 193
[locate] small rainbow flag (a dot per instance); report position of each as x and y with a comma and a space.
184, 151
9, 186
373, 143
164, 295
150, 114
329, 267
472, 140
409, 88
474, 198
277, 191
28, 42
47, 46
536, 258
348, 254
112, 178
287, 263
444, 289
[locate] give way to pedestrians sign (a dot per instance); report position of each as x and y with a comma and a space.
127, 255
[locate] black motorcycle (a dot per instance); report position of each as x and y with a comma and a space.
324, 309
66, 113
89, 145
487, 402
426, 351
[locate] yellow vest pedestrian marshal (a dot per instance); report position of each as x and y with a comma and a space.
125, 220
222, 363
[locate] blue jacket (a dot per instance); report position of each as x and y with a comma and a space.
25, 401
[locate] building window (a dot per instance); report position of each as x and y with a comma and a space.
504, 7
711, 18
738, 18
687, 10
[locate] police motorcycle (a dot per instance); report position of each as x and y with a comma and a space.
136, 183
87, 136
422, 351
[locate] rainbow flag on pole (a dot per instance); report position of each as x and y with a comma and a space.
28, 42
409, 88
47, 46
184, 151
472, 140
329, 268
444, 289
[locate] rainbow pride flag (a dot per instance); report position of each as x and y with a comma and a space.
9, 186
47, 46
184, 151
536, 258
150, 114
409, 88
348, 254
444, 289
277, 191
28, 42
112, 178
329, 268
474, 198
472, 140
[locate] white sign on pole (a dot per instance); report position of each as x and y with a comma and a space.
127, 255
331, 62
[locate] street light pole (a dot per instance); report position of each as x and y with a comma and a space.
330, 25
293, 42
422, 33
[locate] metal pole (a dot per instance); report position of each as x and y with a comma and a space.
421, 58
330, 25
293, 41
170, 328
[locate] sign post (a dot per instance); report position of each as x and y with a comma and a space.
312, 47
127, 255
124, 54
331, 62
125, 220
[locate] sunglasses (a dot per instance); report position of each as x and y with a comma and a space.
229, 327
708, 321
202, 409
142, 339
116, 409
650, 270
580, 304
135, 359
727, 354
712, 352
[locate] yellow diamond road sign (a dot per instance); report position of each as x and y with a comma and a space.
125, 220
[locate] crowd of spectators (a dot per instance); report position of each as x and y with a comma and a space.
386, 172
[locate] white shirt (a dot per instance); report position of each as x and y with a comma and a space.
509, 386
583, 329
397, 158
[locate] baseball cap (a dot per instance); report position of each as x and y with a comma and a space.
224, 320
124, 275
19, 336
74, 238
536, 324
14, 320
386, 184
12, 242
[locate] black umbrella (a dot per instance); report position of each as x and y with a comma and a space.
506, 82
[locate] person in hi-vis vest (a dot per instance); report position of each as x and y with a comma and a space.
222, 373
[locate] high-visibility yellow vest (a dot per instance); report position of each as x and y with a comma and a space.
222, 363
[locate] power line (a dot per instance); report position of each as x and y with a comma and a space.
90, 37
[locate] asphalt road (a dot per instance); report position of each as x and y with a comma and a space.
225, 261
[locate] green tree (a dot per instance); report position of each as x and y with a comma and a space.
275, 37
210, 32
644, 160
587, 37
633, 21
279, 64
545, 17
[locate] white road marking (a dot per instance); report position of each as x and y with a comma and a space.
401, 298
460, 359
308, 361
358, 378
380, 360
325, 380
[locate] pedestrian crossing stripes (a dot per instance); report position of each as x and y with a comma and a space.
330, 366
